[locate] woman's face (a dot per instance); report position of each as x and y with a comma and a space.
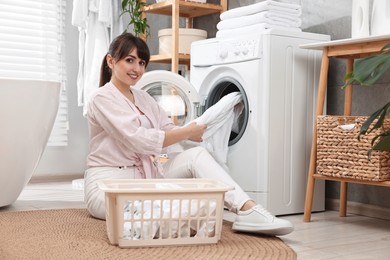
127, 71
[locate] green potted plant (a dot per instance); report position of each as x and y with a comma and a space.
134, 9
366, 72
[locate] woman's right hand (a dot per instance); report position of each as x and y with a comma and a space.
196, 131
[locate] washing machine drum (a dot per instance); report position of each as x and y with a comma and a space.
173, 93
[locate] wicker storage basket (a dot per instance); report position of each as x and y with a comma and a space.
341, 154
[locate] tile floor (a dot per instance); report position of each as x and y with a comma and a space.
327, 236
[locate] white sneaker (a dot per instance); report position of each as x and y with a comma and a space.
259, 220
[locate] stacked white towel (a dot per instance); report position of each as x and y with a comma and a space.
259, 17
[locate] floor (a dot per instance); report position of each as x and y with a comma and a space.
327, 236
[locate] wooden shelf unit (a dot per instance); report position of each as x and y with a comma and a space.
177, 9
188, 9
349, 50
184, 59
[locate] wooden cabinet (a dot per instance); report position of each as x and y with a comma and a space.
177, 9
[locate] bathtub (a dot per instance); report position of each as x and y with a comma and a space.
28, 109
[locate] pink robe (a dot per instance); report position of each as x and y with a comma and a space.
117, 137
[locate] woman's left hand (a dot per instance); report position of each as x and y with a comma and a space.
196, 132
193, 132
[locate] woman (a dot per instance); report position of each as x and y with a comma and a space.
128, 131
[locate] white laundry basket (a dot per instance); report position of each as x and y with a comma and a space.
158, 212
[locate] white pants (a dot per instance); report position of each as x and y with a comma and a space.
192, 163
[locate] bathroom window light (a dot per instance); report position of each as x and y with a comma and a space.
32, 47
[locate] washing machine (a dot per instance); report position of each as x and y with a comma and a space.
269, 152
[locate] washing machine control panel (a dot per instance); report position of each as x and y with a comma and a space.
217, 51
238, 50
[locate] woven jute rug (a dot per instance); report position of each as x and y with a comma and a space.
73, 234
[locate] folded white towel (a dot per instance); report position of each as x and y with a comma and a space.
261, 17
286, 17
256, 28
266, 5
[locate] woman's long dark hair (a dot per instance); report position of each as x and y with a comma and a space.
120, 47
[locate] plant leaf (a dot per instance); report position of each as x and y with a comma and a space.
380, 114
124, 4
386, 48
383, 143
368, 70
134, 9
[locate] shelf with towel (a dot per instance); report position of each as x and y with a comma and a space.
348, 49
177, 9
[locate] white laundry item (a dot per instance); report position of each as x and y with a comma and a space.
94, 20
79, 19
262, 17
266, 5
79, 13
220, 119
116, 24
104, 13
167, 215
293, 20
198, 210
256, 28
141, 210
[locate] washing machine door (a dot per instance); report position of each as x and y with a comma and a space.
174, 94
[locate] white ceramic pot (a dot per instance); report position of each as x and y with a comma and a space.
186, 37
